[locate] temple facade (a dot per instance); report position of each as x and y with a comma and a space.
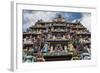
56, 40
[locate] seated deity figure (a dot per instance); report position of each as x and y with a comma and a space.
30, 51
86, 49
71, 49
54, 37
25, 39
59, 36
63, 36
30, 40
58, 48
65, 48
67, 36
51, 49
39, 57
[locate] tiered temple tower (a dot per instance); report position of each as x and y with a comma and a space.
57, 34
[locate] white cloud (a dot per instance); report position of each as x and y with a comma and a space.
46, 16
31, 18
86, 21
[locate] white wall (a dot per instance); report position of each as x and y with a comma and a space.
5, 35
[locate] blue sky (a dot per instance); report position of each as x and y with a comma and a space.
30, 17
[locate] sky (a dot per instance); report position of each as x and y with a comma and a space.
30, 17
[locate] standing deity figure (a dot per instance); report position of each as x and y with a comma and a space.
45, 47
